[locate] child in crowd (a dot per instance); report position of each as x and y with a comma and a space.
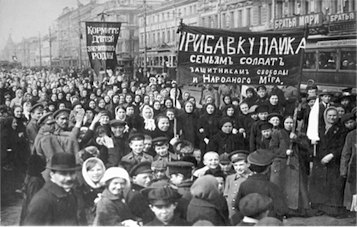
266, 130
161, 147
211, 161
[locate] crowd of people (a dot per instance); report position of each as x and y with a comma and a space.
145, 152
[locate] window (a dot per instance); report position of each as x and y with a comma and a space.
309, 60
232, 19
163, 37
327, 59
168, 36
223, 20
248, 16
240, 18
259, 15
348, 60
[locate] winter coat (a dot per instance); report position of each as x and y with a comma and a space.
348, 160
326, 184
52, 205
292, 179
176, 221
111, 210
222, 142
188, 124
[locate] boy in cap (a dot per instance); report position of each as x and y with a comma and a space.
117, 128
136, 155
262, 95
161, 147
325, 97
225, 164
141, 177
163, 202
259, 163
159, 168
239, 160
266, 129
254, 207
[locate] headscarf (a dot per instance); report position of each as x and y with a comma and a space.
149, 123
329, 125
85, 172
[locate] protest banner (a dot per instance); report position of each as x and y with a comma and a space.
217, 56
102, 39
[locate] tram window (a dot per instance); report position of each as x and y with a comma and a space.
327, 60
348, 60
309, 60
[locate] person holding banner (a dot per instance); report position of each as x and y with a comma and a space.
290, 167
326, 184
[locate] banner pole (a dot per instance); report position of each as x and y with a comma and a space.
297, 103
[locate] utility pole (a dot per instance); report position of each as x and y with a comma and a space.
50, 42
39, 39
145, 42
80, 39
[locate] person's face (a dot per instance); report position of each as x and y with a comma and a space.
147, 144
168, 103
274, 100
266, 133
18, 112
89, 114
227, 127
137, 99
288, 124
263, 116
117, 186
60, 95
345, 102
162, 150
157, 105
118, 130
244, 108
192, 100
159, 98
312, 92
163, 124
226, 166
130, 111
220, 184
197, 155
249, 94
189, 108
331, 116
209, 100
64, 179
275, 121
147, 114
210, 109
326, 98
137, 146
159, 174
262, 93
176, 178
96, 173
240, 166
37, 113
62, 121
146, 99
164, 213
186, 95
19, 93
107, 99
311, 102
78, 108
68, 97
341, 111
170, 115
104, 120
350, 124
211, 161
14, 124
227, 99
230, 111
143, 179
101, 103
128, 99
92, 104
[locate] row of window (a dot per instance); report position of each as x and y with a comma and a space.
158, 37
338, 59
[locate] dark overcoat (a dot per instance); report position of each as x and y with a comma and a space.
52, 205
326, 185
223, 142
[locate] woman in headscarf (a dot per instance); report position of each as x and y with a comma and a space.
93, 170
326, 185
146, 123
187, 121
290, 167
207, 125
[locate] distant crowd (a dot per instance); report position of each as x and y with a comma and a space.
143, 151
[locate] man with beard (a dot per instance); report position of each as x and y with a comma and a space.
57, 203
120, 146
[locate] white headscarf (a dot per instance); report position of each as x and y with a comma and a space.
85, 172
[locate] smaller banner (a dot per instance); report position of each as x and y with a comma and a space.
102, 38
217, 56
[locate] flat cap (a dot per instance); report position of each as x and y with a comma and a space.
253, 109
161, 196
254, 204
325, 92
262, 108
265, 126
261, 87
271, 115
180, 167
136, 136
158, 165
142, 167
115, 122
46, 118
34, 107
183, 146
260, 157
347, 116
105, 113
311, 97
237, 155
224, 158
159, 141
60, 112
225, 120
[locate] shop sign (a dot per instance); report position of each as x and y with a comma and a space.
298, 21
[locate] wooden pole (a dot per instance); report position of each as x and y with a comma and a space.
297, 104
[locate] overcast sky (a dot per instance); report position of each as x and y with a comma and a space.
26, 18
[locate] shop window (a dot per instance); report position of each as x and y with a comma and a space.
309, 60
327, 60
348, 60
